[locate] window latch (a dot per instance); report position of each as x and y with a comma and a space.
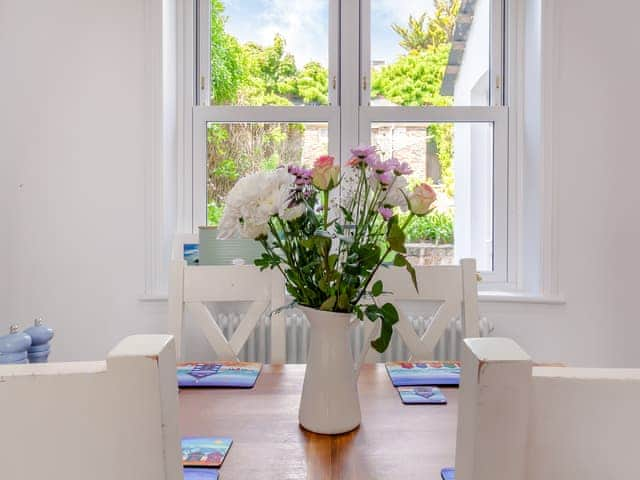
364, 83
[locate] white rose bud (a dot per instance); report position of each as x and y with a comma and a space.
421, 199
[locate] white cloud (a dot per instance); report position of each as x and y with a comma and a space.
302, 23
398, 11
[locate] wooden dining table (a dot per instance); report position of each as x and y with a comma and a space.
394, 441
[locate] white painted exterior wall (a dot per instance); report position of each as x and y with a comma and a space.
76, 250
472, 147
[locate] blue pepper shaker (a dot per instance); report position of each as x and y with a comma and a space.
13, 347
40, 335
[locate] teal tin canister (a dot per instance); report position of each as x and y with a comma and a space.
226, 252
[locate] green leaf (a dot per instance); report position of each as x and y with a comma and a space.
307, 243
381, 343
345, 238
389, 313
372, 312
389, 316
412, 272
333, 258
329, 303
343, 302
396, 237
348, 216
399, 260
376, 289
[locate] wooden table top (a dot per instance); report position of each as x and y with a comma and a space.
394, 441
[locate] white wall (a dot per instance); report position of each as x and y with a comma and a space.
473, 148
595, 155
72, 131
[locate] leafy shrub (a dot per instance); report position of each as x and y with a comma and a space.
214, 212
436, 227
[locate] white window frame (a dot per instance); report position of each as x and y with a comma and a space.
496, 113
203, 113
349, 117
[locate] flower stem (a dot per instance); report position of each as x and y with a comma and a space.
380, 262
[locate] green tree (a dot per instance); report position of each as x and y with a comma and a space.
414, 79
252, 74
438, 31
226, 71
270, 74
312, 84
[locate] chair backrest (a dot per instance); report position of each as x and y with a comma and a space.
454, 286
190, 287
537, 423
113, 420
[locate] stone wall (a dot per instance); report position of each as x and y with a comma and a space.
407, 142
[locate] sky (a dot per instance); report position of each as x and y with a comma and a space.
304, 25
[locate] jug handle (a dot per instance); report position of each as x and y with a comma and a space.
372, 331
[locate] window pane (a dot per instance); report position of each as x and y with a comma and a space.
269, 52
237, 149
457, 158
427, 52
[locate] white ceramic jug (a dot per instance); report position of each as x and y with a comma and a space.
329, 403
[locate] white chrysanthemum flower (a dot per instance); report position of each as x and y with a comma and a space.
285, 211
395, 196
253, 231
252, 201
292, 213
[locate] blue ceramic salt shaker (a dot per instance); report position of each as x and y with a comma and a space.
40, 335
13, 347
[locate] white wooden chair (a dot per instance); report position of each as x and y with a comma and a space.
455, 287
517, 421
191, 287
113, 420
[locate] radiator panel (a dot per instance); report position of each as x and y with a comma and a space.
297, 341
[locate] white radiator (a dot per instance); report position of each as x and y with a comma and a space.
257, 346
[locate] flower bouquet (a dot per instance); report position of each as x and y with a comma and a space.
329, 248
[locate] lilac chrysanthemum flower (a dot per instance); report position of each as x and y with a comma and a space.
303, 176
399, 168
380, 166
363, 154
363, 151
385, 178
386, 213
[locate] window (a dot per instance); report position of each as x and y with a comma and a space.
281, 81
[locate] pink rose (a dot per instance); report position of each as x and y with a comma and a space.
325, 175
421, 199
324, 161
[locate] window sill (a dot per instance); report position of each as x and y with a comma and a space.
483, 297
496, 296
